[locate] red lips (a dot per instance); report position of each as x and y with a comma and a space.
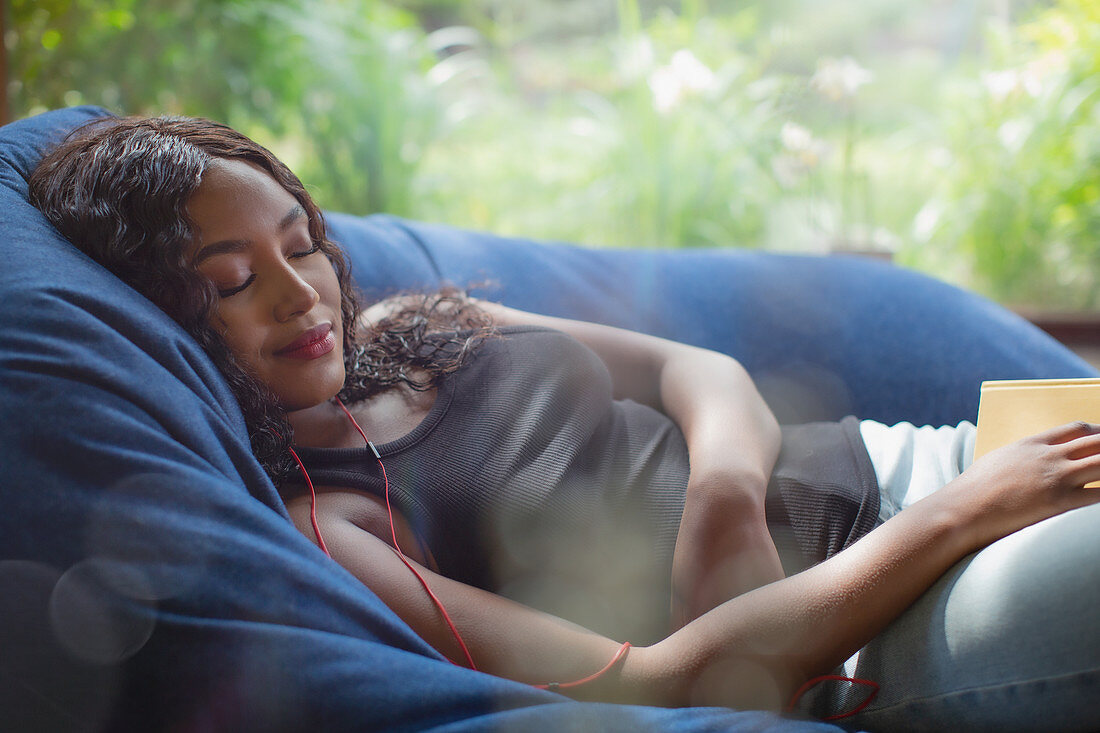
313, 343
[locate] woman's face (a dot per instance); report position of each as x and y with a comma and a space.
279, 310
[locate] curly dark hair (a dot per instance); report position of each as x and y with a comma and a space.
118, 188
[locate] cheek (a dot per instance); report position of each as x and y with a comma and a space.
241, 336
329, 288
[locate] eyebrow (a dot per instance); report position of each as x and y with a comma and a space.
228, 246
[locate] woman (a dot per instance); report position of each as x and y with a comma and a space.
223, 237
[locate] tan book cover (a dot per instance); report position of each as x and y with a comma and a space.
1012, 409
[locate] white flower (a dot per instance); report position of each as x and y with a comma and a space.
1013, 134
1030, 79
692, 73
927, 220
1001, 84
666, 88
684, 74
795, 136
839, 79
802, 152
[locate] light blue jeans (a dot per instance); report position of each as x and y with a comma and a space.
1007, 640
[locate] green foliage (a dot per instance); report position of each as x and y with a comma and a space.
604, 156
366, 108
960, 137
1020, 204
670, 132
339, 88
137, 56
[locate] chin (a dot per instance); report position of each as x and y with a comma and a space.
318, 391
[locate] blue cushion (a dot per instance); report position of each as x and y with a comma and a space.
151, 578
824, 337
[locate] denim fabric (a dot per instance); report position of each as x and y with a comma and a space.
1006, 641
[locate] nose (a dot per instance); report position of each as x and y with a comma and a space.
294, 297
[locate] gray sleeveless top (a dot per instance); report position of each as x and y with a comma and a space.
528, 479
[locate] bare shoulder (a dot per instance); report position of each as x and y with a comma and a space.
357, 507
362, 510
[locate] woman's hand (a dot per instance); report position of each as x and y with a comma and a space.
1027, 481
805, 625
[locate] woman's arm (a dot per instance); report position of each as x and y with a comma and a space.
723, 547
774, 638
754, 650
505, 638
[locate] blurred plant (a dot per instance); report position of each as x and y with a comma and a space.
640, 122
801, 154
687, 162
684, 75
642, 141
825, 204
340, 90
1020, 203
367, 108
838, 81
133, 56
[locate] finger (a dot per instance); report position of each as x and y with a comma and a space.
1082, 447
1068, 432
1087, 496
1087, 471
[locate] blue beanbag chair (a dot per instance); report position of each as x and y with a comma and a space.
150, 578
823, 337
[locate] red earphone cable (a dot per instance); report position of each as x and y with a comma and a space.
397, 547
312, 504
555, 686
839, 678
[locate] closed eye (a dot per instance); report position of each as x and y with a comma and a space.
229, 292
233, 291
306, 253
